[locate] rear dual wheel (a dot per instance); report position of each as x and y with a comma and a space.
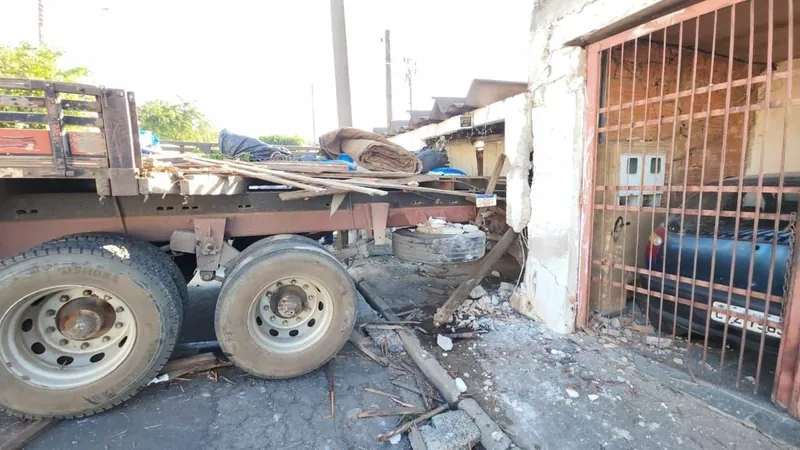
285, 309
84, 323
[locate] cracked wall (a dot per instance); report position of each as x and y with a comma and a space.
558, 123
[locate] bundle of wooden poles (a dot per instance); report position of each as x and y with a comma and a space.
312, 179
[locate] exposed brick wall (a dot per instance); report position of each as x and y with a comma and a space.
637, 73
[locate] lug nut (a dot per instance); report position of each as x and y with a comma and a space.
294, 281
84, 346
266, 307
280, 284
119, 309
50, 329
311, 297
268, 293
305, 286
107, 298
50, 313
87, 293
286, 322
63, 342
106, 338
118, 324
64, 298
271, 318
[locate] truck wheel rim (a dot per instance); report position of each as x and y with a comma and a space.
291, 314
67, 336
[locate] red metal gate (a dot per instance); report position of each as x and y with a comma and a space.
691, 197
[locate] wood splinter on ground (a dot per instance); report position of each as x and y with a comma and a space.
411, 423
331, 389
391, 412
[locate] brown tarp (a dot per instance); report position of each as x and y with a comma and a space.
369, 150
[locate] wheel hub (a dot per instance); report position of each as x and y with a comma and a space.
288, 301
85, 318
291, 314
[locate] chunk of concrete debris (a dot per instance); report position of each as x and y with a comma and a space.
394, 440
453, 430
477, 292
386, 339
461, 385
469, 228
677, 361
572, 392
495, 273
655, 341
506, 289
492, 437
444, 342
593, 397
615, 323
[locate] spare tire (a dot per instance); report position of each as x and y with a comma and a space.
438, 248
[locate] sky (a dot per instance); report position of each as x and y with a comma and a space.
249, 65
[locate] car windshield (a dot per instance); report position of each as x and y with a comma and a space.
729, 201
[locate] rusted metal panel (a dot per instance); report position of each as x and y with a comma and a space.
54, 116
119, 142
134, 116
22, 234
86, 143
39, 85
21, 101
80, 105
24, 142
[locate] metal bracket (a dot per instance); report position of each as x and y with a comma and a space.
206, 241
379, 215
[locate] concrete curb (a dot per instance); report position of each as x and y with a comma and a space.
492, 436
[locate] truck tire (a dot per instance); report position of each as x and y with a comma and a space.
285, 312
258, 246
83, 326
438, 248
165, 263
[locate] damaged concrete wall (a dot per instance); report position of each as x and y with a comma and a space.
558, 122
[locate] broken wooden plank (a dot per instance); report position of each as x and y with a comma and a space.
258, 175
444, 313
294, 177
19, 432
190, 364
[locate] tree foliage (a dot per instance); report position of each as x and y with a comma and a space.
36, 62
175, 121
278, 139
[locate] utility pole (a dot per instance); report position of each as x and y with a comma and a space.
313, 118
340, 64
342, 73
41, 23
388, 45
411, 70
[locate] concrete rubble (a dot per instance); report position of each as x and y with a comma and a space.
453, 430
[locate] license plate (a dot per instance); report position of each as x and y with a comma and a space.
751, 326
484, 200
